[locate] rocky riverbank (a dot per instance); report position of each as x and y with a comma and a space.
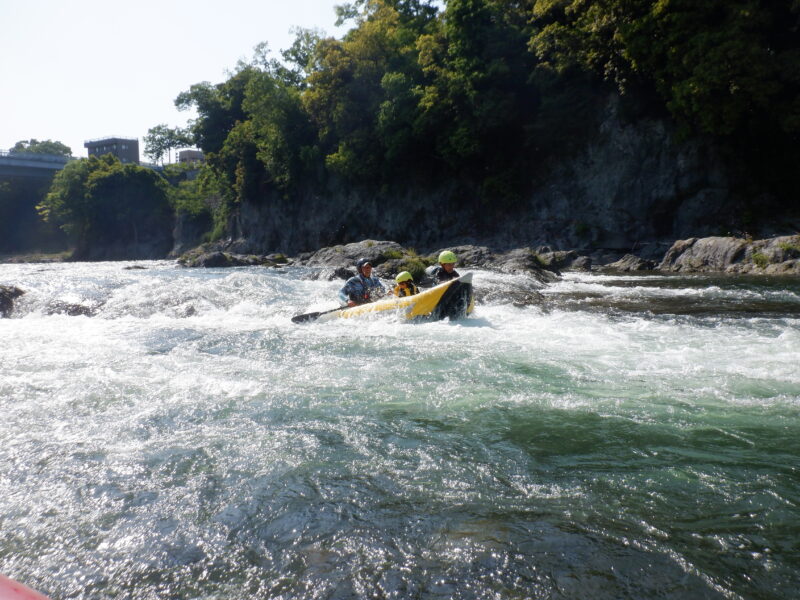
539, 266
732, 255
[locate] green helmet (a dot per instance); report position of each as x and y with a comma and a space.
404, 276
447, 257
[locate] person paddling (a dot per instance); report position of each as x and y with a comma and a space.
405, 285
363, 287
445, 271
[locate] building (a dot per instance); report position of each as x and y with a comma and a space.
191, 156
125, 149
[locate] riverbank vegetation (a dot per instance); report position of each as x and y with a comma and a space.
480, 98
103, 203
487, 92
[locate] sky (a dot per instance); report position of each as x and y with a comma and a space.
76, 71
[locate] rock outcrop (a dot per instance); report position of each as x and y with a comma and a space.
774, 256
633, 184
389, 258
628, 263
201, 257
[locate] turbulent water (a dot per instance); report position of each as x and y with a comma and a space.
630, 437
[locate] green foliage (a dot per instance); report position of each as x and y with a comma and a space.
721, 66
282, 133
161, 140
219, 108
100, 201
791, 248
760, 259
34, 146
415, 266
392, 254
187, 196
488, 93
21, 229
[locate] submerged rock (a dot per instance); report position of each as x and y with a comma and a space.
8, 293
72, 310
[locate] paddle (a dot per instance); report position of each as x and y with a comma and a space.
313, 315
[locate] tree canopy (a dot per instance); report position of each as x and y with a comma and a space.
161, 140
100, 201
485, 92
34, 146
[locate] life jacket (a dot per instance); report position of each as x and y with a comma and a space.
405, 290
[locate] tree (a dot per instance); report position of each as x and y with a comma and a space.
161, 140
219, 108
102, 203
346, 91
34, 146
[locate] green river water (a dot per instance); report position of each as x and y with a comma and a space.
630, 437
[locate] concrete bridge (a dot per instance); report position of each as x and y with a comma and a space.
20, 164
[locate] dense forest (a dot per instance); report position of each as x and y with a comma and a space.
484, 92
482, 97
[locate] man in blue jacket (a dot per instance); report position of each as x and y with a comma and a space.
363, 287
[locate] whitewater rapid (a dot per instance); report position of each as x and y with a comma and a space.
628, 437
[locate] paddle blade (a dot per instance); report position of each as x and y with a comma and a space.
306, 317
314, 315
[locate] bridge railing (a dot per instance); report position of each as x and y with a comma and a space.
55, 158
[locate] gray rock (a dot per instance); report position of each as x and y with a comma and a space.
562, 260
346, 255
216, 259
72, 310
581, 263
774, 256
629, 262
8, 293
342, 273
524, 261
703, 255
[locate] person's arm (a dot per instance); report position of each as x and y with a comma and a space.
354, 292
346, 294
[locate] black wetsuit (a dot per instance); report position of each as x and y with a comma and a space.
439, 275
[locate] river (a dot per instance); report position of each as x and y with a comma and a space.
631, 437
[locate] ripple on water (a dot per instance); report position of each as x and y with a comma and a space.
632, 438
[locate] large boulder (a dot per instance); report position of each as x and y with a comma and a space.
8, 293
389, 258
346, 255
630, 262
217, 258
774, 256
562, 260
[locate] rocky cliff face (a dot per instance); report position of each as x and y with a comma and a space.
633, 188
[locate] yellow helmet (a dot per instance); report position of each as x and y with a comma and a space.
447, 257
404, 276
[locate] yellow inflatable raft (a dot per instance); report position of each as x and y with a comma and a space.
451, 299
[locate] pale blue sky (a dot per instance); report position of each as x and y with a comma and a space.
73, 71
